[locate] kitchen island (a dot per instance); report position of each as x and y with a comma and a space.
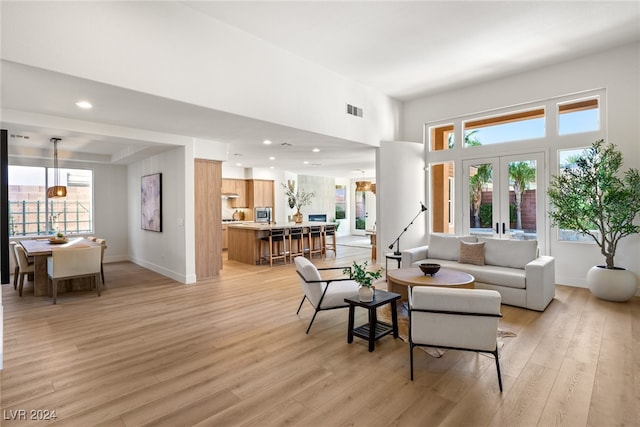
244, 238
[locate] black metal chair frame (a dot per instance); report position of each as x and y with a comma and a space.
328, 282
459, 313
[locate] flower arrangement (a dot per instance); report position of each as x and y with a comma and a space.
360, 274
297, 198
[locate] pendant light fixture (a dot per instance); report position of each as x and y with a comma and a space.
363, 185
57, 190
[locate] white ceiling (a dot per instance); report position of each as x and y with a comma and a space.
404, 49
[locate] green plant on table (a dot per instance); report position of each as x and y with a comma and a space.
360, 274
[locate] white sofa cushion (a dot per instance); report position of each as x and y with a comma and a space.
501, 276
444, 246
508, 253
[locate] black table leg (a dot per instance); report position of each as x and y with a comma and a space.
373, 320
394, 318
351, 321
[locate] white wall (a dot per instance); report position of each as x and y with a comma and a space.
617, 70
400, 187
170, 50
165, 252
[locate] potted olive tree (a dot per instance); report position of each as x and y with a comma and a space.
595, 198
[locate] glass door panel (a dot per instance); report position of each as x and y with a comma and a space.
504, 197
482, 206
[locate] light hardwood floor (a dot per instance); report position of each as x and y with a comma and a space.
231, 352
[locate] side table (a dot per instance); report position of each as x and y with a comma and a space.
373, 330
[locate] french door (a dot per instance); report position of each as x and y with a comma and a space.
365, 212
503, 197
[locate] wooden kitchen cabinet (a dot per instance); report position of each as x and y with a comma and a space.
261, 193
225, 237
238, 186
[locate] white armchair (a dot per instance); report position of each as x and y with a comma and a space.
72, 262
323, 294
457, 319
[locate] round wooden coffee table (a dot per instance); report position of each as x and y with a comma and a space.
398, 280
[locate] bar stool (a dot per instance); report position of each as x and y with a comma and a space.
316, 245
296, 237
277, 245
330, 238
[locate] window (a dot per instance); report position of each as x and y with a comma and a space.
504, 128
442, 197
567, 159
31, 213
441, 137
578, 116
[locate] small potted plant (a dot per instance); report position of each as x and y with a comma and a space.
365, 278
596, 199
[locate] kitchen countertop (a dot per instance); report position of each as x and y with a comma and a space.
260, 226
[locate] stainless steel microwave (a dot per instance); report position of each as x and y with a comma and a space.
262, 214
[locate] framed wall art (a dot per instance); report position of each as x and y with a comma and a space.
151, 202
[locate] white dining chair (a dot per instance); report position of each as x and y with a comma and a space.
24, 267
73, 262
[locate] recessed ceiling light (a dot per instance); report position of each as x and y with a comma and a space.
305, 162
266, 142
316, 150
238, 164
84, 104
272, 158
272, 167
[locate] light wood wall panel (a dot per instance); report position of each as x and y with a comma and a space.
208, 218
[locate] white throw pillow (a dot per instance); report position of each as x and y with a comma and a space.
446, 246
509, 253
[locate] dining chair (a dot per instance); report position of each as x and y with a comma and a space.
103, 244
24, 267
13, 262
73, 262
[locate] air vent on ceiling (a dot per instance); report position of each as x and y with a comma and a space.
19, 136
354, 111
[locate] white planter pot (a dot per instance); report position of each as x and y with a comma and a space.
616, 285
365, 294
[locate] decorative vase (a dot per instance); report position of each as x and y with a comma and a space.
618, 284
365, 293
297, 218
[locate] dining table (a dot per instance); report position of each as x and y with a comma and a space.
40, 250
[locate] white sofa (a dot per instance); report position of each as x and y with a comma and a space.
511, 267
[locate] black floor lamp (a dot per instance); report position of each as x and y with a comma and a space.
397, 241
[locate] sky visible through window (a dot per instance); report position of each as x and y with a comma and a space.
568, 123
